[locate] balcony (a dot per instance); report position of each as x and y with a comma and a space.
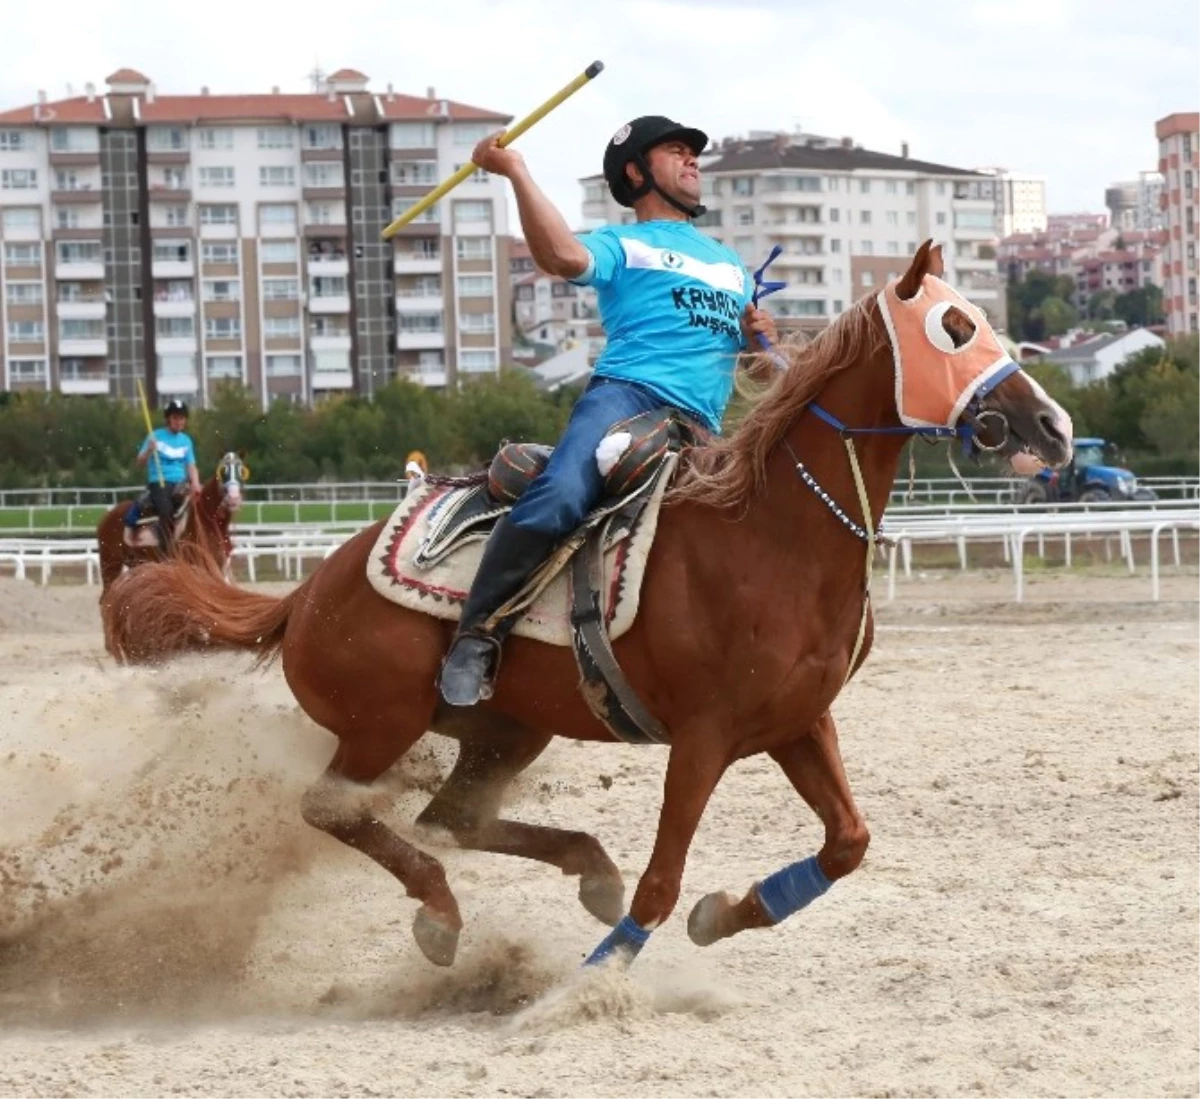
332, 379
417, 263
81, 193
334, 265
418, 301
421, 341
88, 347
173, 268
174, 307
329, 303
79, 270
427, 376
175, 345
81, 309
85, 383
334, 342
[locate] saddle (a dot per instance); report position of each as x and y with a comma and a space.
142, 533
181, 502
427, 554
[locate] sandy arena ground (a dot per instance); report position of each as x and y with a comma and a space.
1025, 922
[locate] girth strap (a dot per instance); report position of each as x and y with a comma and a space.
605, 688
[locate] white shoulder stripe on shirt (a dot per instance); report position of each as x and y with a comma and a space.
720, 276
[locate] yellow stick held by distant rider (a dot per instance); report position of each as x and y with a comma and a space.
150, 429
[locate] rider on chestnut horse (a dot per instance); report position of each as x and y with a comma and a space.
171, 459
675, 305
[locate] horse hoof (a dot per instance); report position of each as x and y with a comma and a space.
436, 938
603, 895
707, 922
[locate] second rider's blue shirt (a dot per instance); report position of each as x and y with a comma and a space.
670, 301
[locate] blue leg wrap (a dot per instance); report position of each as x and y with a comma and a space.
790, 889
628, 937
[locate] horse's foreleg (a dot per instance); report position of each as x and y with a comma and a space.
694, 768
335, 806
813, 764
493, 751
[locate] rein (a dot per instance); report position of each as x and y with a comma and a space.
966, 432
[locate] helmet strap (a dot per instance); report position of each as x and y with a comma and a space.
649, 183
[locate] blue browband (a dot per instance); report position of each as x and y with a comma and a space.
964, 432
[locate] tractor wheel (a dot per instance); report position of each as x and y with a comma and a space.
1034, 493
1094, 495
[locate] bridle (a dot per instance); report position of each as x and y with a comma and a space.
230, 473
967, 430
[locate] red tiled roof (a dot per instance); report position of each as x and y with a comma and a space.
127, 76
62, 111
348, 74
232, 108
411, 107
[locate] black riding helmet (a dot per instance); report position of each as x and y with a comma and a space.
175, 405
631, 143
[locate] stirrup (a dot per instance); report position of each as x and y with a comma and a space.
473, 676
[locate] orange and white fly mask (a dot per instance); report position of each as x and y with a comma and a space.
938, 376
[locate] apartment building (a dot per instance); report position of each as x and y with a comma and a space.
1178, 152
1020, 201
549, 311
191, 239
1135, 203
847, 218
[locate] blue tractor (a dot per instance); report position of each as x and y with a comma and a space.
1085, 478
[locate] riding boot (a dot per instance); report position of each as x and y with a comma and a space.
511, 556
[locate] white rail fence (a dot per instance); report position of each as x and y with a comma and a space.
291, 549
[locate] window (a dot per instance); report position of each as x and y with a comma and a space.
172, 251
324, 213
413, 135
428, 286
743, 215
217, 177
216, 137
218, 253
66, 217
224, 366
276, 137
472, 212
866, 248
75, 139
413, 173
176, 217
22, 255
25, 332
971, 219
835, 214
910, 187
400, 205
13, 141
283, 366
893, 247
477, 322
276, 175
174, 290
864, 186
889, 187
833, 183
867, 279
940, 218
325, 362
471, 133
18, 179
329, 286
791, 183
281, 289
277, 215
23, 293
165, 139
222, 290
475, 286
174, 179
910, 218
80, 330
22, 217
892, 217
324, 173
864, 217
479, 176
222, 328
26, 370
473, 248
278, 328
471, 362
218, 215
176, 366
835, 245
324, 135
742, 185
420, 322
279, 251
79, 251
174, 328
837, 305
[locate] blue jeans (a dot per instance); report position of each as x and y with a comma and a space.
571, 484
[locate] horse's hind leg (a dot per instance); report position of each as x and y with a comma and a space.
334, 806
493, 751
813, 765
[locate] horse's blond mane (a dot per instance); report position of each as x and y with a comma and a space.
727, 471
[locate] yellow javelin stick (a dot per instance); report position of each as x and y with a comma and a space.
149, 428
507, 138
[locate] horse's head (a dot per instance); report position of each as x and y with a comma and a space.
232, 474
952, 372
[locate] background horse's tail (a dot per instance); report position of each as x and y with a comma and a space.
184, 604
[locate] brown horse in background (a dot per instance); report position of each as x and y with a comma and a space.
752, 603
208, 522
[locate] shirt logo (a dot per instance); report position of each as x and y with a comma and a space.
622, 135
672, 260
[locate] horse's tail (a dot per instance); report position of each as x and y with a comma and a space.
181, 605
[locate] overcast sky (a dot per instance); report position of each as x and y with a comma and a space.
1065, 89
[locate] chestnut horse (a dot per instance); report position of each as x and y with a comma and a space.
210, 517
753, 615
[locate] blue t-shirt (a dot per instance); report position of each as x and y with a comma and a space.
175, 452
671, 301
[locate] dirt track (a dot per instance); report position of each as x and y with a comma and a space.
1025, 922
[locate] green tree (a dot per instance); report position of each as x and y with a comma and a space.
1140, 307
